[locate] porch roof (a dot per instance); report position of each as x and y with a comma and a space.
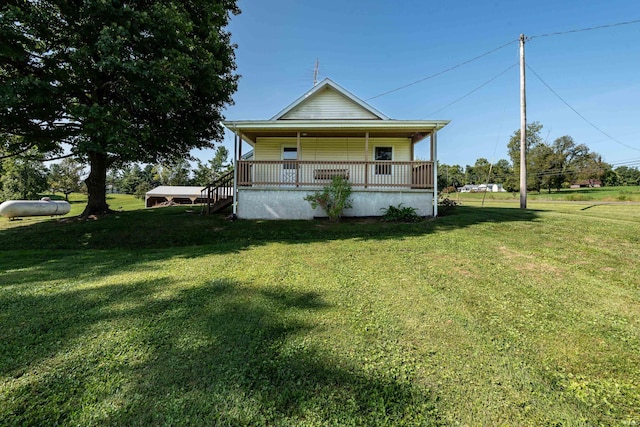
415, 129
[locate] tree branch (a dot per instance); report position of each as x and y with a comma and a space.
66, 156
27, 148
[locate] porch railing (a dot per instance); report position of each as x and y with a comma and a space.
219, 193
303, 173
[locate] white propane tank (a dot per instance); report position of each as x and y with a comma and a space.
42, 207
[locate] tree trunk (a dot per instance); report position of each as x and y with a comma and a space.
97, 186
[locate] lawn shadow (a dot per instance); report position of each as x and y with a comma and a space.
73, 250
174, 228
219, 353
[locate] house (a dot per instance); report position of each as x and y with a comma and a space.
330, 132
468, 188
481, 188
585, 183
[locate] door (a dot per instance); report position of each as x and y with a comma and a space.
289, 169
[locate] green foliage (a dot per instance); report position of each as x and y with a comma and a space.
117, 81
333, 198
532, 139
174, 172
446, 206
628, 175
205, 174
450, 175
400, 214
131, 178
65, 177
555, 165
141, 189
22, 177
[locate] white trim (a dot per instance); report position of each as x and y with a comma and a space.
287, 172
288, 145
236, 138
359, 124
337, 88
375, 167
434, 144
254, 126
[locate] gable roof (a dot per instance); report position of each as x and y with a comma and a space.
313, 105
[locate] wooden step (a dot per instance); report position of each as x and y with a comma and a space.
221, 204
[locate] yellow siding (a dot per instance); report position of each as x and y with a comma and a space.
328, 104
270, 148
325, 149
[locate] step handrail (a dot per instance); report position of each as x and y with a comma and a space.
213, 190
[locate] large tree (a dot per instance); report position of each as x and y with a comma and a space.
567, 161
532, 139
115, 81
628, 175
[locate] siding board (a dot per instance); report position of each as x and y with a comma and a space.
328, 104
324, 149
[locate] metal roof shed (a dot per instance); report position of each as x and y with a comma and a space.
182, 195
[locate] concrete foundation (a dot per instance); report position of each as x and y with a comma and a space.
288, 203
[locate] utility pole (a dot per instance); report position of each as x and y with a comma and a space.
523, 129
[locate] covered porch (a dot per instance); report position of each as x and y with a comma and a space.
366, 152
377, 157
360, 174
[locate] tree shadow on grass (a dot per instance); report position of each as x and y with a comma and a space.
219, 353
135, 241
173, 228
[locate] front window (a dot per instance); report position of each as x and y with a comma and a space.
383, 153
289, 153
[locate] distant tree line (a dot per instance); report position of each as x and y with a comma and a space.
550, 166
26, 177
138, 179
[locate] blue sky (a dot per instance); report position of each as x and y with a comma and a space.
371, 47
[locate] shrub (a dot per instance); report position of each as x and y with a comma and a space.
400, 214
141, 190
446, 206
333, 199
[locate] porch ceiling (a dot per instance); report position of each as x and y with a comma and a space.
417, 129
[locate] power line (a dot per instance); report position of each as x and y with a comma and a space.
580, 115
626, 162
474, 90
635, 21
442, 72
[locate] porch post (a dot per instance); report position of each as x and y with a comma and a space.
235, 174
434, 159
297, 158
366, 159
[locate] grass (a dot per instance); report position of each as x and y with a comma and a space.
492, 316
603, 194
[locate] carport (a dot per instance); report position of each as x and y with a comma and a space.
181, 195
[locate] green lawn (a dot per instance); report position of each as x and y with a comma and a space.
598, 195
491, 316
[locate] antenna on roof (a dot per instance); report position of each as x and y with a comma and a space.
315, 73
